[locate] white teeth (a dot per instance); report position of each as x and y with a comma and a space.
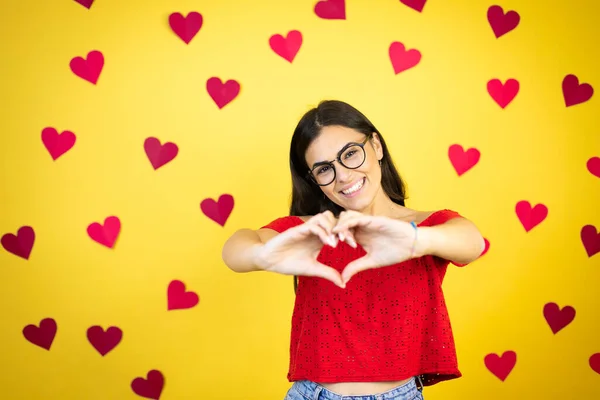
354, 188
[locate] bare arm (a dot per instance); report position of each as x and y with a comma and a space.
457, 240
240, 249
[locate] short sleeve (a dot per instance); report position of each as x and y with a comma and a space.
442, 216
280, 224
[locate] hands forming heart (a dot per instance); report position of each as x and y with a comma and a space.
387, 241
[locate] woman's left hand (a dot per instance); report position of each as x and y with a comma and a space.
387, 241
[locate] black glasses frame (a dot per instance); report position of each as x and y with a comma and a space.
339, 160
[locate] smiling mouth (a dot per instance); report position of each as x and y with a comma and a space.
356, 188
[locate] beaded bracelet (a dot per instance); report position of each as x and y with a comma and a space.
412, 252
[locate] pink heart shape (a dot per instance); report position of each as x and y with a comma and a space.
401, 58
90, 68
590, 238
42, 335
86, 3
594, 362
104, 341
503, 94
105, 234
186, 27
530, 217
500, 22
222, 93
462, 160
331, 9
501, 366
575, 93
159, 154
57, 144
287, 47
218, 211
416, 5
593, 165
556, 318
20, 244
151, 387
178, 298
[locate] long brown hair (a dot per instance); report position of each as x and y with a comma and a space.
307, 196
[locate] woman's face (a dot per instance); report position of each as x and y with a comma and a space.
352, 189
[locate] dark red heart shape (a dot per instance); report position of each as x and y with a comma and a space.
42, 335
20, 244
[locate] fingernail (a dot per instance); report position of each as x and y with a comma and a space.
332, 241
351, 242
342, 237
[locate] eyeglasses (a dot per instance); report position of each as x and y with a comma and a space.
351, 156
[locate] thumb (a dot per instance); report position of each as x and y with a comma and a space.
325, 272
357, 266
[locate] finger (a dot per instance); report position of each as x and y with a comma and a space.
348, 237
355, 267
322, 234
352, 222
325, 272
327, 221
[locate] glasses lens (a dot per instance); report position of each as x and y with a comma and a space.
324, 174
353, 157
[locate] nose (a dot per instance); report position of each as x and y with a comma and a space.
343, 174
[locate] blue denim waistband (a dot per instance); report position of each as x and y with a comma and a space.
314, 391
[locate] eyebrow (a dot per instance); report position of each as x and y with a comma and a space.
319, 163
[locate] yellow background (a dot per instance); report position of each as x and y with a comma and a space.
234, 344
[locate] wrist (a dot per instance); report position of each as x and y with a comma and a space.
425, 241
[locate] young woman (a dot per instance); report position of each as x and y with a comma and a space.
370, 318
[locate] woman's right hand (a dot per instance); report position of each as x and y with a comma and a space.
295, 251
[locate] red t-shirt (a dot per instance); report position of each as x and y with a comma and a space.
389, 324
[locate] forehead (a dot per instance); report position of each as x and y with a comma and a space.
329, 142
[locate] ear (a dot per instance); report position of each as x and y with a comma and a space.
377, 145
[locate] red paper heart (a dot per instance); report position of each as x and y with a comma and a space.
57, 144
159, 154
503, 94
86, 3
502, 366
594, 362
590, 238
186, 27
401, 58
151, 387
416, 5
501, 22
178, 298
287, 47
593, 165
331, 9
104, 341
556, 318
90, 68
530, 217
20, 244
105, 234
575, 93
42, 336
222, 93
218, 211
462, 160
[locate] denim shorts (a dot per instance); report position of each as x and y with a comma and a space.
307, 390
